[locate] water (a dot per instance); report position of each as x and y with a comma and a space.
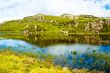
72, 55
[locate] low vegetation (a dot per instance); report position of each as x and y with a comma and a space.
40, 24
11, 62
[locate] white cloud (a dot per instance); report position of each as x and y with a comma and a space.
14, 9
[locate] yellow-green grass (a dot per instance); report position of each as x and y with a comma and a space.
11, 62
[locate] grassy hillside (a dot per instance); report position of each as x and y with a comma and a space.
48, 23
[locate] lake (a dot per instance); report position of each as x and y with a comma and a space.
75, 51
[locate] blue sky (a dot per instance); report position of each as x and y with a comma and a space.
17, 9
107, 6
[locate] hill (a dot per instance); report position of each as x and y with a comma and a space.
66, 23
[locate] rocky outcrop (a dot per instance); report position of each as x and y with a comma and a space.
87, 16
70, 16
107, 22
94, 26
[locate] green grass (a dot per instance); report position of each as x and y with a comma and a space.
52, 24
15, 25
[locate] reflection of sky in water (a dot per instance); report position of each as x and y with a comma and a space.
60, 49
79, 48
62, 52
18, 45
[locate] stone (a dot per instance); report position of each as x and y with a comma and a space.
65, 68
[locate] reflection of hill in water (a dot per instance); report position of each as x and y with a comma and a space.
47, 40
84, 39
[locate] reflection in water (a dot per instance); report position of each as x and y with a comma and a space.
44, 41
70, 55
47, 40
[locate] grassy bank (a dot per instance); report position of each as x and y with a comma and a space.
11, 62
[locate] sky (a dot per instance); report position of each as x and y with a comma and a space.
17, 9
